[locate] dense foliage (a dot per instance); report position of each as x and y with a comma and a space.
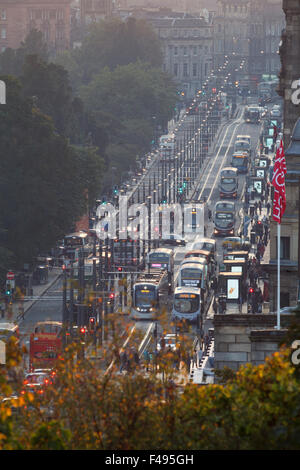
258, 409
43, 179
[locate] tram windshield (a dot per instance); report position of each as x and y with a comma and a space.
144, 296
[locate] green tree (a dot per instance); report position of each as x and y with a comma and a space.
110, 43
12, 60
42, 189
128, 103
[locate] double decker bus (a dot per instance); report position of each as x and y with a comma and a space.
224, 223
167, 146
187, 304
228, 186
8, 332
162, 258
193, 272
74, 242
240, 161
45, 345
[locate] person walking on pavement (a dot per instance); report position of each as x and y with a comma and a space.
146, 356
209, 214
206, 342
215, 306
123, 360
259, 207
268, 207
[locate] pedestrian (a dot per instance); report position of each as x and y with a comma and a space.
146, 357
209, 214
255, 207
136, 357
206, 342
2, 310
268, 207
259, 207
215, 306
123, 360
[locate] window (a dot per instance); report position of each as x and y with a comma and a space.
185, 70
195, 50
284, 247
176, 69
185, 51
3, 14
194, 70
3, 33
3, 48
284, 299
175, 50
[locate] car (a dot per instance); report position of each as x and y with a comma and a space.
232, 243
36, 381
168, 341
208, 244
172, 239
275, 113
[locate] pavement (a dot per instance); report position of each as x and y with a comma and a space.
14, 313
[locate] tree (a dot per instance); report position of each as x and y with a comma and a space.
42, 183
12, 60
128, 103
110, 43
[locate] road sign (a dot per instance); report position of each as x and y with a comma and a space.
10, 275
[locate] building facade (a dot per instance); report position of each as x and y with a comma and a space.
19, 17
187, 44
249, 29
95, 10
289, 83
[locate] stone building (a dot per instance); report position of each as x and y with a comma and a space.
249, 29
288, 86
246, 338
187, 44
95, 10
19, 17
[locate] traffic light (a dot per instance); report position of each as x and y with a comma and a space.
214, 90
92, 323
251, 290
180, 189
116, 191
111, 295
120, 269
8, 290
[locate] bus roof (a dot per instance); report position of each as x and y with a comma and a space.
187, 290
6, 326
76, 235
229, 168
167, 251
189, 264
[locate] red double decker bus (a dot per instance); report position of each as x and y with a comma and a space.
45, 345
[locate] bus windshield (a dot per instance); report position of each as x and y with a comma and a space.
186, 303
73, 241
239, 161
191, 273
159, 258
